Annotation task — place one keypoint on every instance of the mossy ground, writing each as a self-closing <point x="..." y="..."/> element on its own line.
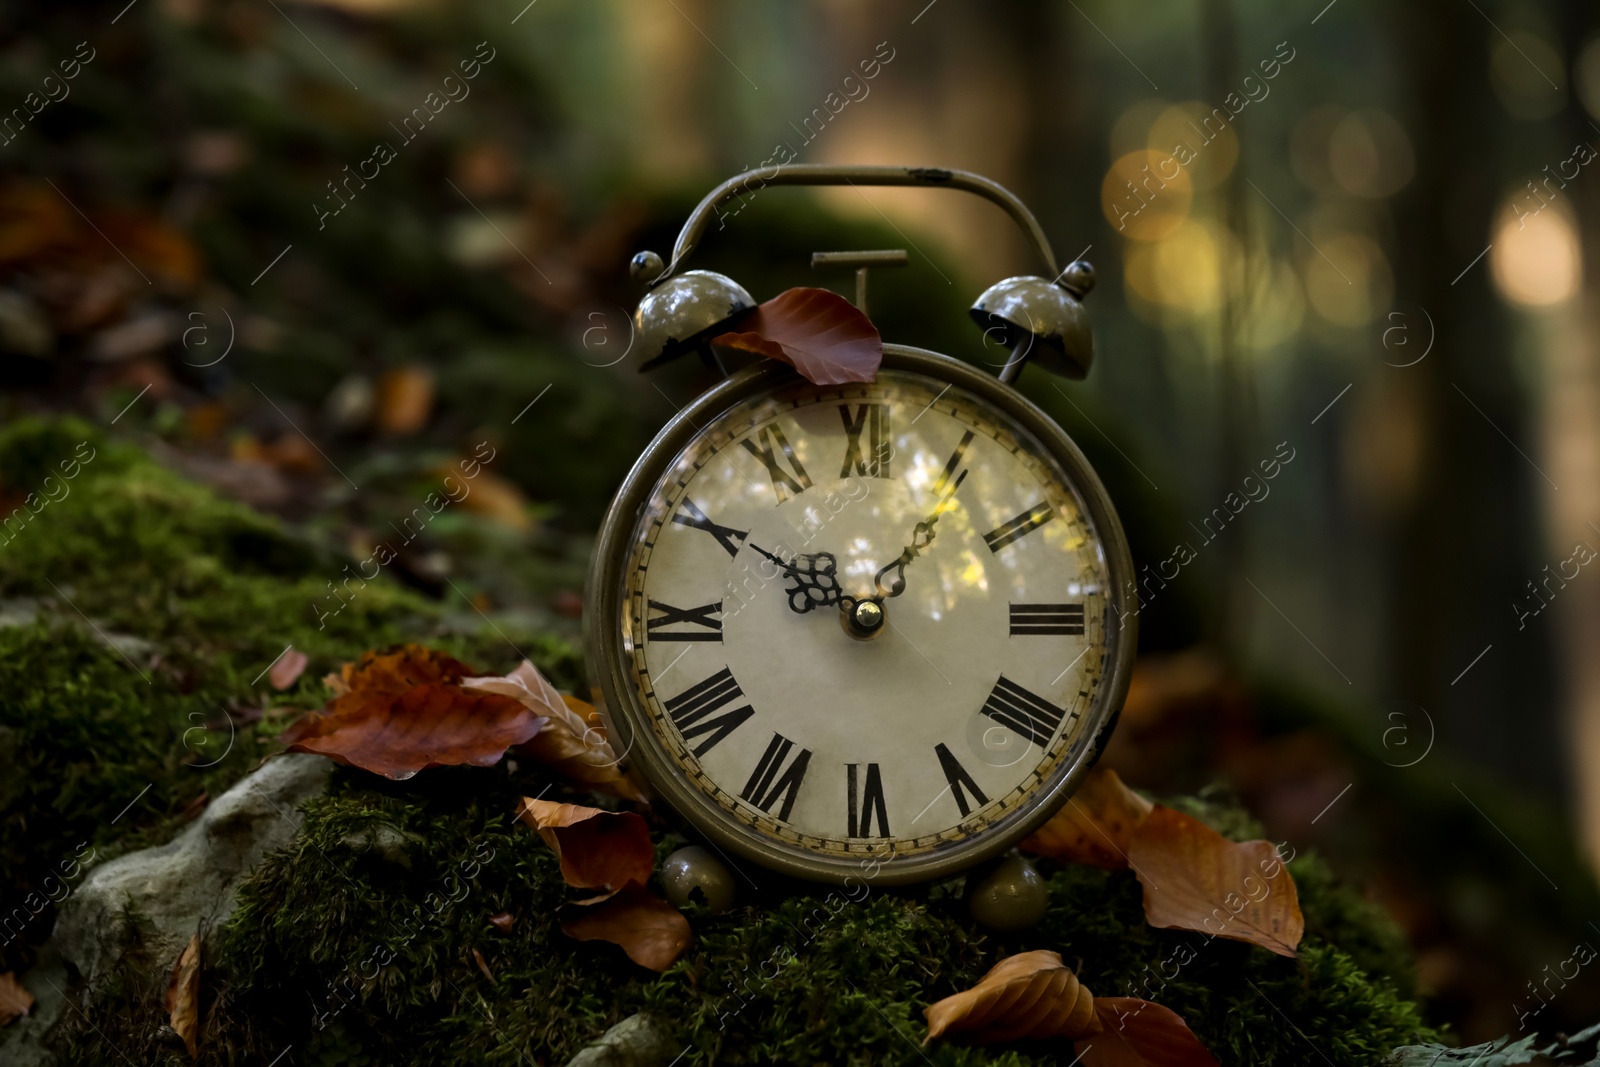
<point x="358" y="943"/>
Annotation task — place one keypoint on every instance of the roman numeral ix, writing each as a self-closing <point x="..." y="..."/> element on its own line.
<point x="1046" y="619"/>
<point x="772" y="781"/>
<point x="1021" y="526"/>
<point x="1028" y="714"/>
<point x="690" y="515"/>
<point x="764" y="445"/>
<point x="960" y="781"/>
<point x="873" y="420"/>
<point x="671" y="616"/>
<point x="864" y="802"/>
<point x="693" y="711"/>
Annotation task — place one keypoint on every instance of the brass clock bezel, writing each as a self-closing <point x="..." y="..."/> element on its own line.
<point x="627" y="721"/>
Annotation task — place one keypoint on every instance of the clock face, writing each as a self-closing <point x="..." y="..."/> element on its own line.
<point x="956" y="716"/>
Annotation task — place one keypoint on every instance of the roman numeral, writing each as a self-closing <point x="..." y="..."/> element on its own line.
<point x="767" y="785"/>
<point x="1046" y="619"/>
<point x="772" y="441"/>
<point x="874" y="420"/>
<point x="959" y="780"/>
<point x="945" y="482"/>
<point x="671" y="616"/>
<point x="692" y="710"/>
<point x="690" y="515"/>
<point x="867" y="800"/>
<point x="1030" y="715"/>
<point x="1021" y="526"/>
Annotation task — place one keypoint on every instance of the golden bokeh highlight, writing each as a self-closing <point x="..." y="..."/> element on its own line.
<point x="1369" y="154"/>
<point x="1536" y="262"/>
<point x="1348" y="279"/>
<point x="1183" y="272"/>
<point x="1146" y="195"/>
<point x="1131" y="130"/>
<point x="1208" y="152"/>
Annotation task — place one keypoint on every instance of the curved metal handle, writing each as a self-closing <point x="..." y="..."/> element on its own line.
<point x="831" y="174"/>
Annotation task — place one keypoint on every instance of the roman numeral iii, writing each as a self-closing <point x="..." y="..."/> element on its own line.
<point x="777" y="777"/>
<point x="693" y="711"/>
<point x="1021" y="526"/>
<point x="765" y="444"/>
<point x="864" y="802"/>
<point x="690" y="515"/>
<point x="960" y="781"/>
<point x="687" y="617"/>
<point x="1046" y="619"/>
<point x="1027" y="713"/>
<point x="873" y="421"/>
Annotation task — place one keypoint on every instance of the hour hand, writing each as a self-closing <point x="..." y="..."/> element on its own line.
<point x="813" y="580"/>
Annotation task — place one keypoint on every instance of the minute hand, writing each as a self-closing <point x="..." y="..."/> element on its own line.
<point x="921" y="538"/>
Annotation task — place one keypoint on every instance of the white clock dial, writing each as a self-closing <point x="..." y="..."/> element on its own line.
<point x="955" y="713"/>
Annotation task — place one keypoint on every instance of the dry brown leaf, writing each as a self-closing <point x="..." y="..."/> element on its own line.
<point x="183" y="996"/>
<point x="483" y="965"/>
<point x="1029" y="995"/>
<point x="1196" y="879"/>
<point x="404" y="399"/>
<point x="652" y="932"/>
<point x="1094" y="826"/>
<point x="498" y="499"/>
<point x="573" y="742"/>
<point x="818" y="333"/>
<point x="288" y="669"/>
<point x="502" y="920"/>
<point x="397" y="669"/>
<point x="15" y="1000"/>
<point x="1137" y="1033"/>
<point x="597" y="848"/>
<point x="388" y="724"/>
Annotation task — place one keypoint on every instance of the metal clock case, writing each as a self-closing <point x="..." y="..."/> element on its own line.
<point x="820" y="646"/>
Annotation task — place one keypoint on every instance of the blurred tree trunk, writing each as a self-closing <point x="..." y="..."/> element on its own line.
<point x="1468" y="536"/>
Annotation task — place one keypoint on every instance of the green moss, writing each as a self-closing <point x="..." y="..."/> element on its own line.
<point x="209" y="592"/>
<point x="796" y="975"/>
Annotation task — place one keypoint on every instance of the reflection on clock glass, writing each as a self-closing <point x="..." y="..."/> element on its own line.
<point x="792" y="507"/>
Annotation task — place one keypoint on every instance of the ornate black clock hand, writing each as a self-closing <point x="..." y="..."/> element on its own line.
<point x="815" y="578"/>
<point x="921" y="538"/>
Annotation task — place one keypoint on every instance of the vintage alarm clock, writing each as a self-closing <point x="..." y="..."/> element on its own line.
<point x="876" y="630"/>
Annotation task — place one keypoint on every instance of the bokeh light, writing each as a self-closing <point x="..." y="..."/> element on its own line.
<point x="1146" y="195"/>
<point x="1208" y="155"/>
<point x="1535" y="260"/>
<point x="1369" y="154"/>
<point x="1528" y="75"/>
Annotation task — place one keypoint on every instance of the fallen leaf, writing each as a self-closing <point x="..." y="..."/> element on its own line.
<point x="288" y="669"/>
<point x="1029" y="995"/>
<point x="1095" y="825"/>
<point x="15" y="1000"/>
<point x="502" y="920"/>
<point x="404" y="399"/>
<point x="183" y="995"/>
<point x="398" y="669"/>
<point x="818" y="333"/>
<point x="597" y="848"/>
<point x="1137" y="1033"/>
<point x="428" y="725"/>
<point x="652" y="932"/>
<point x="1196" y="879"/>
<point x="573" y="742"/>
<point x="483" y="965"/>
<point x="495" y="498"/>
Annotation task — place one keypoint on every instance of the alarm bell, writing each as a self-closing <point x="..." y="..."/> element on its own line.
<point x="681" y="313"/>
<point x="1041" y="320"/>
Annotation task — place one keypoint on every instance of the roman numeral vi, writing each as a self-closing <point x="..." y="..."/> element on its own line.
<point x="863" y="803"/>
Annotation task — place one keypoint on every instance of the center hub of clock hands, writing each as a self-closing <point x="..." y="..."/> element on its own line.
<point x="814" y="576"/>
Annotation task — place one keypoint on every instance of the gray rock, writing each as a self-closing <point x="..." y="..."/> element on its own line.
<point x="154" y="900"/>
<point x="640" y="1040"/>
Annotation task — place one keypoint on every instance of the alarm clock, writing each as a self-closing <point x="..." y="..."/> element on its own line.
<point x="879" y="629"/>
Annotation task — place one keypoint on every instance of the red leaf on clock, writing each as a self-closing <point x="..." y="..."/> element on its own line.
<point x="598" y="849"/>
<point x="818" y="333"/>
